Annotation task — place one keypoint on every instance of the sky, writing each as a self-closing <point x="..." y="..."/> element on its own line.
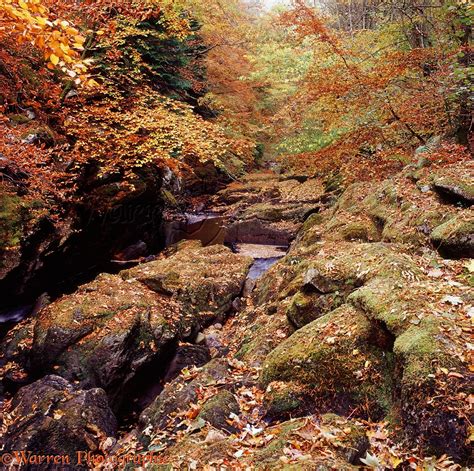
<point x="270" y="3"/>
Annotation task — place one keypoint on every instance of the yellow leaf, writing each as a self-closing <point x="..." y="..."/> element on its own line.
<point x="23" y="5"/>
<point x="470" y="266"/>
<point x="54" y="59"/>
<point x="79" y="39"/>
<point x="72" y="31"/>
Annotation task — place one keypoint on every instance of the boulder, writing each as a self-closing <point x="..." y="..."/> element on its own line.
<point x="455" y="189"/>
<point x="178" y="395"/>
<point x="217" y="411"/>
<point x="337" y="361"/>
<point x="455" y="238"/>
<point x="52" y="417"/>
<point x="114" y="328"/>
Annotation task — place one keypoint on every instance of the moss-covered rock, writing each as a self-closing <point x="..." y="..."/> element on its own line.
<point x="204" y="280"/>
<point x="455" y="188"/>
<point x="51" y="417"/>
<point x="455" y="238"/>
<point x="305" y="308"/>
<point x="284" y="400"/>
<point x="179" y="394"/>
<point x="334" y="358"/>
<point x="217" y="410"/>
<point x="105" y="333"/>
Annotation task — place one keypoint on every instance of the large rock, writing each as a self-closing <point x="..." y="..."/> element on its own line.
<point x="111" y="329"/>
<point x="203" y="280"/>
<point x="455" y="185"/>
<point x="180" y="394"/>
<point x="455" y="238"/>
<point x="338" y="360"/>
<point x="51" y="417"/>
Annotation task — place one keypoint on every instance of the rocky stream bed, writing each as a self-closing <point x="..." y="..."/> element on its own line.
<point x="287" y="325"/>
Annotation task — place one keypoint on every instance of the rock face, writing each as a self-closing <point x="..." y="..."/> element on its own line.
<point x="39" y="250"/>
<point x="51" y="417"/>
<point x="455" y="238"/>
<point x="112" y="328"/>
<point x="263" y="209"/>
<point x="407" y="208"/>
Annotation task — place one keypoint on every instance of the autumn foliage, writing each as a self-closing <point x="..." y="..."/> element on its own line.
<point x="114" y="86"/>
<point x="375" y="94"/>
<point x="351" y="88"/>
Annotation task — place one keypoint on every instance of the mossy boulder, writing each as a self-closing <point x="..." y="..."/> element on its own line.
<point x="305" y="308"/>
<point x="52" y="417"/>
<point x="205" y="280"/>
<point x="336" y="359"/>
<point x="13" y="215"/>
<point x="422" y="348"/>
<point x="284" y="400"/>
<point x="110" y="329"/>
<point x="455" y="238"/>
<point x="217" y="410"/>
<point x="102" y="334"/>
<point x="179" y="394"/>
<point x="11" y="211"/>
<point x="341" y="451"/>
<point x="457" y="189"/>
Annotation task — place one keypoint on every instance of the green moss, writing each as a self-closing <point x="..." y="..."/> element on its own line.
<point x="461" y="184"/>
<point x="456" y="228"/>
<point x="217" y="409"/>
<point x="12" y="216"/>
<point x="283" y="399"/>
<point x="313" y="220"/>
<point x="359" y="231"/>
<point x="19" y="118"/>
<point x="304" y="308"/>
<point x="419" y="350"/>
<point x="320" y="356"/>
<point x="275" y="448"/>
<point x="169" y="198"/>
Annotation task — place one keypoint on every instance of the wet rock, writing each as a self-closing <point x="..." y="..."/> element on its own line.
<point x="132" y="252"/>
<point x="51" y="417"/>
<point x="254" y="231"/>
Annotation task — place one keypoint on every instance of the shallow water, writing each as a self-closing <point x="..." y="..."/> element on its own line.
<point x="15" y="314"/>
